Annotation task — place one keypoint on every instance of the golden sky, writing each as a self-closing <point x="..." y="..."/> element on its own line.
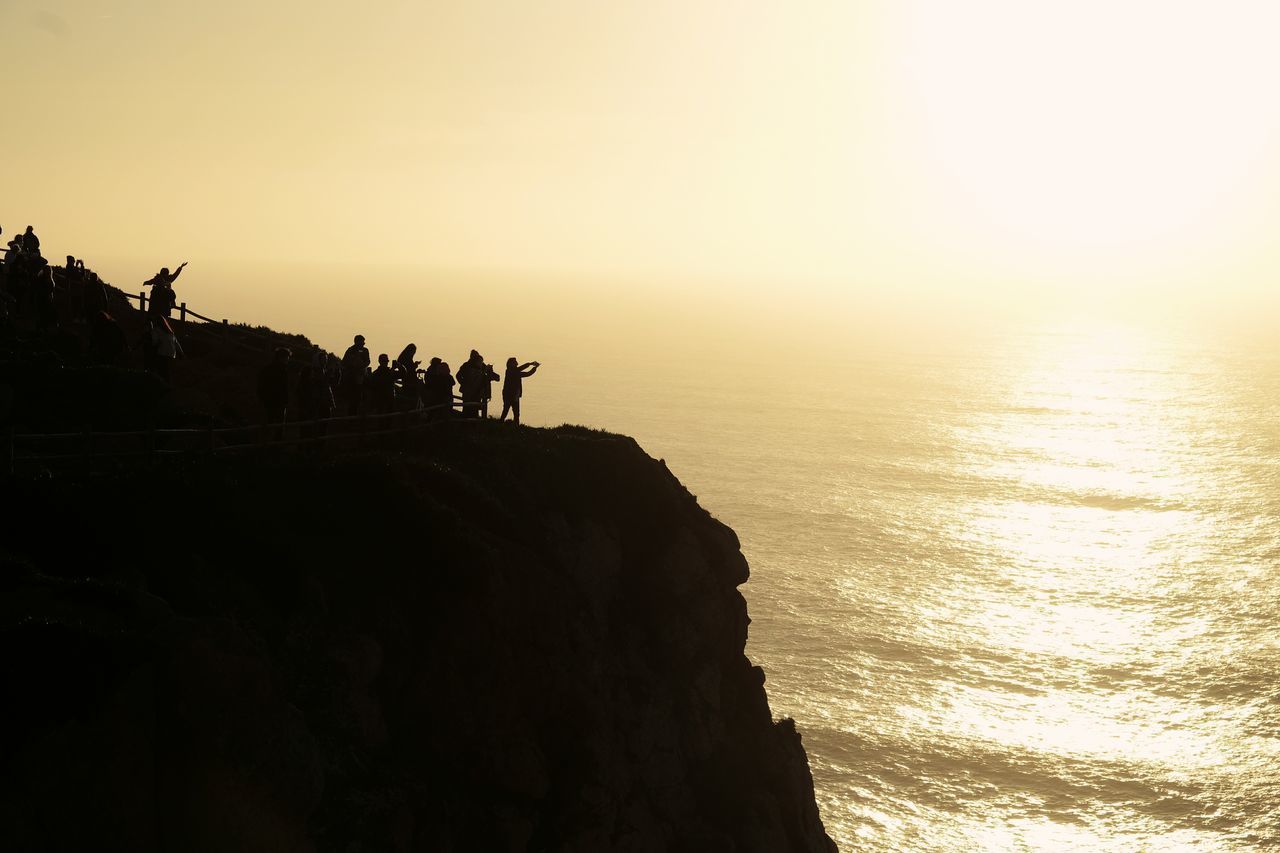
<point x="988" y="145"/>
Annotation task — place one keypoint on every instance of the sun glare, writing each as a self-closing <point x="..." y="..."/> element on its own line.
<point x="1102" y="126"/>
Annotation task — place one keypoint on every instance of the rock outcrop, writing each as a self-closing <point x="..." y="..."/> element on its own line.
<point x="495" y="639"/>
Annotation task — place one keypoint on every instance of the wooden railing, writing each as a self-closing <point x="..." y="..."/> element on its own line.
<point x="152" y="444"/>
<point x="190" y="315"/>
<point x="187" y="316"/>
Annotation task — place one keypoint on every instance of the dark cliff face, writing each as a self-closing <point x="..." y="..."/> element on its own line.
<point x="500" y="639"/>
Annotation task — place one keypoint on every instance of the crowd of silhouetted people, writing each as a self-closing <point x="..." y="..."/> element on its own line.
<point x="74" y="301"/>
<point x="325" y="384"/>
<point x="29" y="286"/>
<point x="49" y="299"/>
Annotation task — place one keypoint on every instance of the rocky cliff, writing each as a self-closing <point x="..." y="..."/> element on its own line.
<point x="493" y="639"/>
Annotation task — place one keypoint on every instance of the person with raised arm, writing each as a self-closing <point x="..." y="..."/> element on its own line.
<point x="162" y="296"/>
<point x="513" y="386"/>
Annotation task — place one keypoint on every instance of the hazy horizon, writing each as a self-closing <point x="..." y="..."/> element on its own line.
<point x="1003" y="156"/>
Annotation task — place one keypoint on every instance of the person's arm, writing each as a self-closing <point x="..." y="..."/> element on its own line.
<point x="177" y="272"/>
<point x="532" y="368"/>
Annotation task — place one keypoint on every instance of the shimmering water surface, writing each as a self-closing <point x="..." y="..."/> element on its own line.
<point x="1026" y="596"/>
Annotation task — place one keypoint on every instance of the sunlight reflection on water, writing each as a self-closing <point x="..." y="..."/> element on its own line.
<point x="1022" y="600"/>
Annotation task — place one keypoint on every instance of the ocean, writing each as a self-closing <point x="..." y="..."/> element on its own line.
<point x="1020" y="595"/>
<point x="1020" y="590"/>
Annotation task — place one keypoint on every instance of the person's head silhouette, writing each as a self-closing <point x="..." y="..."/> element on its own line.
<point x="359" y="340"/>
<point x="512" y="364"/>
<point x="383" y="359"/>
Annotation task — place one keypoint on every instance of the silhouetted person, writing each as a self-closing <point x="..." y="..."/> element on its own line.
<point x="44" y="306"/>
<point x="438" y="385"/>
<point x="406" y="368"/>
<point x="474" y="378"/>
<point x="489" y="377"/>
<point x="314" y="394"/>
<point x="106" y="339"/>
<point x="94" y="291"/>
<point x="163" y="301"/>
<point x="15" y="271"/>
<point x="513" y="386"/>
<point x="30" y="242"/>
<point x="406" y="360"/>
<point x="162" y="296"/>
<point x="164" y="349"/>
<point x="164" y="278"/>
<point x="11" y="253"/>
<point x="333" y="373"/>
<point x="273" y="387"/>
<point x="325" y="370"/>
<point x="382" y="387"/>
<point x="355" y="362"/>
<point x="11" y="263"/>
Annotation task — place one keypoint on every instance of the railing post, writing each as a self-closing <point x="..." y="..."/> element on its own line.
<point x="226" y="327"/>
<point x="182" y="312"/>
<point x="142" y="301"/>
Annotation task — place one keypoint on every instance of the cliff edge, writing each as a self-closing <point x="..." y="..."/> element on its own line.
<point x="493" y="639"/>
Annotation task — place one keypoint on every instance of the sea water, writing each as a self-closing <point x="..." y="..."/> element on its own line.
<point x="1020" y="595"/>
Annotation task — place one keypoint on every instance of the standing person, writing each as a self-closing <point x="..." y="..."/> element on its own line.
<point x="94" y="290"/>
<point x="43" y="301"/>
<point x="273" y="388"/>
<point x="487" y="377"/>
<point x="382" y="387"/>
<point x="165" y="348"/>
<point x="513" y="386"/>
<point x="355" y="362"/>
<point x="314" y="396"/>
<point x="162" y="296"/>
<point x="438" y="383"/>
<point x="473" y="380"/>
<point x="323" y="382"/>
<point x="30" y="242"/>
<point x="12" y="278"/>
<point x="407" y="368"/>
<point x="406" y="360"/>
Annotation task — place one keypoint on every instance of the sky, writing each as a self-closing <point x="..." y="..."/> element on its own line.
<point x="829" y="153"/>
